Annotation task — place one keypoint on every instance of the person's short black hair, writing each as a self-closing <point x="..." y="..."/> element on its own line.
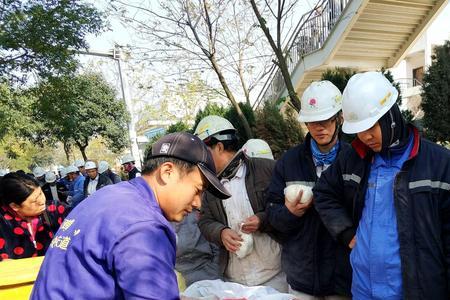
<point x="228" y="145"/>
<point x="152" y="163"/>
<point x="16" y="187"/>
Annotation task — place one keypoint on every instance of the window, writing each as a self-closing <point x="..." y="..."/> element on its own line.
<point x="417" y="76"/>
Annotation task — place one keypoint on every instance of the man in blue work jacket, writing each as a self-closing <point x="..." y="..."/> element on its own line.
<point x="118" y="243"/>
<point x="388" y="199"/>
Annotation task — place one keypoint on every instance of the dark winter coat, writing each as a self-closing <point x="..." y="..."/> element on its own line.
<point x="134" y="173"/>
<point x="103" y="181"/>
<point x="112" y="176"/>
<point x="422" y="204"/>
<point x="61" y="189"/>
<point x="313" y="262"/>
<point x="213" y="218"/>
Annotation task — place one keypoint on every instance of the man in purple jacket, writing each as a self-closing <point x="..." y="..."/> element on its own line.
<point x="118" y="243"/>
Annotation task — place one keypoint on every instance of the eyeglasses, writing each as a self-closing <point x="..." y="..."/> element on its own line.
<point x="323" y="123"/>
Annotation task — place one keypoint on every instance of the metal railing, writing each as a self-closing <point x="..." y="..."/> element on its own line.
<point x="407" y="83"/>
<point x="310" y="35"/>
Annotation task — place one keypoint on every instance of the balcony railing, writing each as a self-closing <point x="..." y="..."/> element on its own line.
<point x="310" y="35"/>
<point x="408" y="83"/>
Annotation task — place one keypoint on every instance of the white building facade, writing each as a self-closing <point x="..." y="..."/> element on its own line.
<point x="409" y="71"/>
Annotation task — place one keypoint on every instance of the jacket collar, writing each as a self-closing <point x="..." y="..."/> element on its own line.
<point x="363" y="150"/>
<point x="233" y="166"/>
<point x="416" y="142"/>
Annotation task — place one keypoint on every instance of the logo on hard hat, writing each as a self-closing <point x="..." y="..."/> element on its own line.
<point x="312" y="102"/>
<point x="383" y="101"/>
<point x="338" y="99"/>
<point x="352" y="117"/>
<point x="164" y="148"/>
<point x="204" y="128"/>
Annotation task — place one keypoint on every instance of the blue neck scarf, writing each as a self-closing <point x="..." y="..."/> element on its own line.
<point x="320" y="158"/>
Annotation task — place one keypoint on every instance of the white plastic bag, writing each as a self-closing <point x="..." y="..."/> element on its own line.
<point x="291" y="192"/>
<point x="220" y="290"/>
<point x="246" y="245"/>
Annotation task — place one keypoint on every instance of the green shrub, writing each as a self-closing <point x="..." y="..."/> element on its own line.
<point x="281" y="132"/>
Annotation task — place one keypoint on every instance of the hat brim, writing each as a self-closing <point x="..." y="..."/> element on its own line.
<point x="357" y="127"/>
<point x="215" y="186"/>
<point x="305" y="118"/>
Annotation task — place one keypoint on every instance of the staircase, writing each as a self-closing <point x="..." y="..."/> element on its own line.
<point x="359" y="34"/>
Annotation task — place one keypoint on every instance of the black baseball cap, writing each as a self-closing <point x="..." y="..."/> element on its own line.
<point x="190" y="148"/>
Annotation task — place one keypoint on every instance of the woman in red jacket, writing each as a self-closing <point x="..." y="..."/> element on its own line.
<point x="26" y="223"/>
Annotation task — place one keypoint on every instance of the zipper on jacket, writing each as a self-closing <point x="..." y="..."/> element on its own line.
<point x="360" y="193"/>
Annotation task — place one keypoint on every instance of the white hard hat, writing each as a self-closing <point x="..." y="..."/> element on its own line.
<point x="79" y="163"/>
<point x="90" y="165"/>
<point x="38" y="172"/>
<point x="50" y="177"/>
<point x="257" y="148"/>
<point x="103" y="166"/>
<point x="367" y="97"/>
<point x="63" y="172"/>
<point x="211" y="125"/>
<point x="60" y="168"/>
<point x="127" y="158"/>
<point x="3" y="172"/>
<point x="320" y="101"/>
<point x="72" y="169"/>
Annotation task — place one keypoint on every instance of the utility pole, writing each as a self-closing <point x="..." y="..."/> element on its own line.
<point x="116" y="55"/>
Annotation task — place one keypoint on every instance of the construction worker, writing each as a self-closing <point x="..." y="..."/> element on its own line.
<point x="118" y="243"/>
<point x="238" y="225"/>
<point x="103" y="168"/>
<point x="63" y="178"/>
<point x="94" y="180"/>
<point x="388" y="198"/>
<point x="76" y="191"/>
<point x="315" y="265"/>
<point x="257" y="148"/>
<point x="79" y="163"/>
<point x="39" y="174"/>
<point x="60" y="168"/>
<point x="54" y="191"/>
<point x="129" y="167"/>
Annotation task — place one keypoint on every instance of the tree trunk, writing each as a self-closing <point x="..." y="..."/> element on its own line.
<point x="209" y="53"/>
<point x="83" y="152"/>
<point x="67" y="151"/>
<point x="82" y="148"/>
<point x="248" y="130"/>
<point x="282" y="65"/>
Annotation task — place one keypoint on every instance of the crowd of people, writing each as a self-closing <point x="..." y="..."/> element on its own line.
<point x="34" y="205"/>
<point x="375" y="226"/>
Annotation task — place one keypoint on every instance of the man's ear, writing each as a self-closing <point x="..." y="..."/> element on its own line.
<point x="166" y="172"/>
<point x="220" y="147"/>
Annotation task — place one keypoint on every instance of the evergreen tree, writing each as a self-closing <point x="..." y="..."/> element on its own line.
<point x="436" y="95"/>
<point x="281" y="132"/>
